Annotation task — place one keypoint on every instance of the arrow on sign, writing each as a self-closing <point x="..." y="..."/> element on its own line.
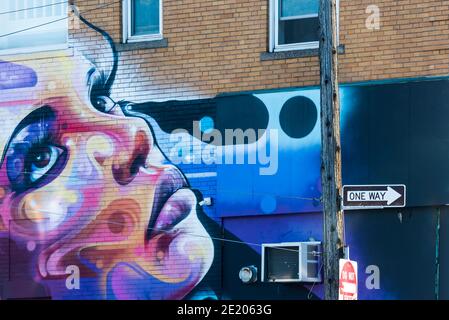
<point x="392" y="195"/>
<point x="374" y="196"/>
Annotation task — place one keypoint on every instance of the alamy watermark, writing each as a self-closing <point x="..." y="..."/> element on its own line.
<point x="372" y="281"/>
<point x="72" y="281"/>
<point x="252" y="147"/>
<point x="373" y="20"/>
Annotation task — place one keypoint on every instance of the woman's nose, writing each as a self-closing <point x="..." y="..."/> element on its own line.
<point x="125" y="171"/>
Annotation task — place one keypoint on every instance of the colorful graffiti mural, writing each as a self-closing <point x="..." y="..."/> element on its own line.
<point x="83" y="185"/>
<point x="104" y="200"/>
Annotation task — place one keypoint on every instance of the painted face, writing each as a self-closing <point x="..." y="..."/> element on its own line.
<point x="87" y="189"/>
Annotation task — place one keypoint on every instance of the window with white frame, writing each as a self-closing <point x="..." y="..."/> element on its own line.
<point x="294" y="24"/>
<point x="142" y="20"/>
<point x="33" y="25"/>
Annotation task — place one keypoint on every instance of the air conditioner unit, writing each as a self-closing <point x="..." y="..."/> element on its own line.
<point x="291" y="262"/>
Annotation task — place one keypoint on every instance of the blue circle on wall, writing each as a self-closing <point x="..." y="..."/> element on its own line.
<point x="207" y="124"/>
<point x="268" y="204"/>
<point x="298" y="117"/>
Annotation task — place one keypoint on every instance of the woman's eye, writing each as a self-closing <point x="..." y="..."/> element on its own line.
<point x="26" y="165"/>
<point x="42" y="159"/>
<point x="34" y="157"/>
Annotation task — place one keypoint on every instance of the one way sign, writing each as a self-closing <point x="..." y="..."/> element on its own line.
<point x="374" y="196"/>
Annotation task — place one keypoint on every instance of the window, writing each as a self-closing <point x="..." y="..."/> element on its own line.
<point x="142" y="20"/>
<point x="294" y="24"/>
<point x="45" y="19"/>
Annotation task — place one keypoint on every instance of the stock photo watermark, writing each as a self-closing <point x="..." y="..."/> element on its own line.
<point x="372" y="281"/>
<point x="72" y="282"/>
<point x="249" y="147"/>
<point x="372" y="22"/>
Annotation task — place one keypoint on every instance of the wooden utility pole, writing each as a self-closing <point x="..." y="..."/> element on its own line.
<point x="330" y="148"/>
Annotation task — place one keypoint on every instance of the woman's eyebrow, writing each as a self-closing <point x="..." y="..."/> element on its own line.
<point x="39" y="114"/>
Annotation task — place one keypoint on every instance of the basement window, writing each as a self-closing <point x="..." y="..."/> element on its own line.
<point x="142" y="20"/>
<point x="294" y="25"/>
<point x="33" y="25"/>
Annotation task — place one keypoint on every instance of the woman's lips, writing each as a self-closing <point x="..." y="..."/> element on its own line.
<point x="172" y="201"/>
<point x="177" y="208"/>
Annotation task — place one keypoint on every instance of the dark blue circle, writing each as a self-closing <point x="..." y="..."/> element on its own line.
<point x="298" y="117"/>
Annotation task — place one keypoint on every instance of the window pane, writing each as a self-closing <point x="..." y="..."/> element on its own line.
<point x="298" y="30"/>
<point x="54" y="33"/>
<point x="145" y="14"/>
<point x="291" y="8"/>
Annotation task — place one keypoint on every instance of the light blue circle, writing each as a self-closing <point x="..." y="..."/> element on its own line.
<point x="206" y="124"/>
<point x="268" y="204"/>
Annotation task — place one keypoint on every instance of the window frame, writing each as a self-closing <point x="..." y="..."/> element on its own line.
<point x="40" y="48"/>
<point x="274" y="45"/>
<point x="127" y="24"/>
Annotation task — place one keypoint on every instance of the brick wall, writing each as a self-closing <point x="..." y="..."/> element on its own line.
<point x="215" y="46"/>
<point x="413" y="40"/>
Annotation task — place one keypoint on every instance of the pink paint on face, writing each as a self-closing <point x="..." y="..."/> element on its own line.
<point x="93" y="190"/>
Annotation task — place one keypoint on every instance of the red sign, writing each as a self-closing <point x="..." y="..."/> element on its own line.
<point x="348" y="280"/>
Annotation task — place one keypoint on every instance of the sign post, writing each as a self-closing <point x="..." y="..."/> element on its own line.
<point x="374" y="197"/>
<point x="348" y="280"/>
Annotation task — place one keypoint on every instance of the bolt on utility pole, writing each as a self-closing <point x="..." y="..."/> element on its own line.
<point x="330" y="148"/>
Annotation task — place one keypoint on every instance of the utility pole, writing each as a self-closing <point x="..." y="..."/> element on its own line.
<point x="330" y="148"/>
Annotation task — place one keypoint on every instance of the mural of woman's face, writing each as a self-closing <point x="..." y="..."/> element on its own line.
<point x="80" y="187"/>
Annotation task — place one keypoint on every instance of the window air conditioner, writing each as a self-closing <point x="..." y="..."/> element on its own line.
<point x="292" y="262"/>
